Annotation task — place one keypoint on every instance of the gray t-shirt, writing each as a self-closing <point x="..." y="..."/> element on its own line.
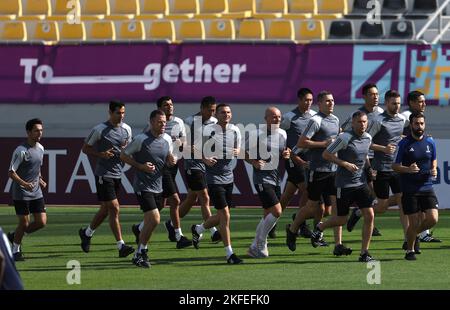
<point x="353" y="149"/>
<point x="26" y="162"/>
<point x="267" y="146"/>
<point x="386" y="129"/>
<point x="147" y="148"/>
<point x="174" y="128"/>
<point x="197" y="140"/>
<point x="103" y="137"/>
<point x="320" y="128"/>
<point x="220" y="144"/>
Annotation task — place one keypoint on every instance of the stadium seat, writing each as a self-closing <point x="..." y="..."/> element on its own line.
<point x="393" y="9"/>
<point x="341" y="29"/>
<point x="331" y="9"/>
<point x="102" y="31"/>
<point x="94" y="9"/>
<point x="422" y="9"/>
<point x="45" y="31"/>
<point x="301" y="9"/>
<point x="210" y="9"/>
<point x="10" y="9"/>
<point x="183" y="9"/>
<point x="221" y="29"/>
<point x="162" y="30"/>
<point x="240" y="9"/>
<point x="72" y="32"/>
<point x="403" y="29"/>
<point x="153" y="9"/>
<point x="35" y="10"/>
<point x="14" y="31"/>
<point x="271" y="9"/>
<point x="310" y="30"/>
<point x="191" y="30"/>
<point x="124" y="9"/>
<point x="360" y="10"/>
<point x="281" y="30"/>
<point x="131" y="30"/>
<point x="252" y="29"/>
<point x="61" y="11"/>
<point x="371" y="31"/>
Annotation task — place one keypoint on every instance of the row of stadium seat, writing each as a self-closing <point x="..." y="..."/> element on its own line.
<point x="221" y="29"/>
<point x="204" y="9"/>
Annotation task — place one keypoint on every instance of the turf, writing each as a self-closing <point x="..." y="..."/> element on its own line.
<point x="48" y="251"/>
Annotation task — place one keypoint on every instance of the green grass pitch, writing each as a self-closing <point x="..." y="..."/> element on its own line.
<point x="48" y="251"/>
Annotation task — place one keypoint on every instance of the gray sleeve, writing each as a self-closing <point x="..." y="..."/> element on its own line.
<point x="94" y="136"/>
<point x="375" y="128"/>
<point x="17" y="159"/>
<point x="339" y="144"/>
<point x="286" y="121"/>
<point x="311" y="129"/>
<point x="134" y="147"/>
<point x="347" y="124"/>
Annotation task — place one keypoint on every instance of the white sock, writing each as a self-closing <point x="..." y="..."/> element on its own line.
<point x="258" y="232"/>
<point x="89" y="231"/>
<point x="229" y="251"/>
<point x="178" y="233"/>
<point x="16" y="248"/>
<point x="200" y="229"/>
<point x="120" y="243"/>
<point x="358" y="212"/>
<point x="268" y="224"/>
<point x="141" y="247"/>
<point x="141" y="226"/>
<point x="424" y="233"/>
<point x="213" y="230"/>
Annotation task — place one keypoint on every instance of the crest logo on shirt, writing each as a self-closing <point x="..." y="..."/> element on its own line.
<point x="411" y="149"/>
<point x="428" y="149"/>
<point x="27" y="156"/>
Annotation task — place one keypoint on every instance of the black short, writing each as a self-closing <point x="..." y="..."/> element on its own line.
<point x="169" y="183"/>
<point x="196" y="179"/>
<point x="320" y="183"/>
<point x="325" y="199"/>
<point x="296" y="174"/>
<point x="149" y="201"/>
<point x="359" y="195"/>
<point x="221" y="195"/>
<point x="25" y="207"/>
<point x="421" y="201"/>
<point x="385" y="180"/>
<point x="268" y="194"/>
<point x="368" y="171"/>
<point x="107" y="188"/>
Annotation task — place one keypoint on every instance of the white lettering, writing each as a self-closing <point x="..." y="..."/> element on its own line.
<point x="185" y="67"/>
<point x="222" y="73"/>
<point x="52" y="168"/>
<point x="28" y="63"/>
<point x="89" y="176"/>
<point x="170" y="73"/>
<point x="201" y="69"/>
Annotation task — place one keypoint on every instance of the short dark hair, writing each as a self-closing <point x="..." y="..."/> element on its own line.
<point x="414" y="95"/>
<point x="30" y="124"/>
<point x="114" y="104"/>
<point x="368" y="86"/>
<point x="161" y="100"/>
<point x="207" y="101"/>
<point x="156" y="113"/>
<point x="302" y="92"/>
<point x="415" y="115"/>
<point x="222" y="105"/>
<point x="391" y="94"/>
<point x="358" y="114"/>
<point x="322" y="95"/>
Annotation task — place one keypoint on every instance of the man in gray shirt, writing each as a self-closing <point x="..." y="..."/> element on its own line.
<point x="322" y="129"/>
<point x="105" y="142"/>
<point x="222" y="146"/>
<point x="352" y="148"/>
<point x="149" y="153"/>
<point x="27" y="185"/>
<point x="271" y="140"/>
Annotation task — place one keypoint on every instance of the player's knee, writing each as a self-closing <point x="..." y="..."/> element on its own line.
<point x="175" y="201"/>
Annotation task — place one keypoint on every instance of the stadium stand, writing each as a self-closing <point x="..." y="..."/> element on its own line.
<point x="153" y="9"/>
<point x="211" y="9"/>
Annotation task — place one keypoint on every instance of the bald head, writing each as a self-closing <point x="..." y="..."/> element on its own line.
<point x="273" y="116"/>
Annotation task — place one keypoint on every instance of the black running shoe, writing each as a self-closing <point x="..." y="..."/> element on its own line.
<point x="18" y="257"/>
<point x="366" y="257"/>
<point x="417" y="246"/>
<point x="233" y="259"/>
<point x="322" y="242"/>
<point x="136" y="232"/>
<point x="216" y="237"/>
<point x="341" y="249"/>
<point x="141" y="259"/>
<point x="195" y="236"/>
<point x="273" y="232"/>
<point x="410" y="256"/>
<point x="125" y="250"/>
<point x="405" y="245"/>
<point x="316" y="238"/>
<point x="376" y="232"/>
<point x="183" y="242"/>
<point x="170" y="231"/>
<point x="85" y="240"/>
<point x="304" y="231"/>
<point x="429" y="238"/>
<point x="352" y="220"/>
<point x="291" y="239"/>
<point x="10" y="236"/>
